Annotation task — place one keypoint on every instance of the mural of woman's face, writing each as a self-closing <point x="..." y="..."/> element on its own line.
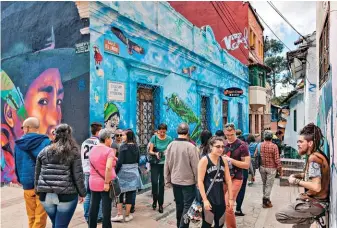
<point x="44" y="98"/>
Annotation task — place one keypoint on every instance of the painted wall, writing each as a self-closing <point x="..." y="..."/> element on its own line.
<point x="291" y="136"/>
<point x="228" y="20"/>
<point x="41" y="74"/>
<point x="155" y="46"/>
<point x="310" y="83"/>
<point x="327" y="100"/>
<point x="255" y="27"/>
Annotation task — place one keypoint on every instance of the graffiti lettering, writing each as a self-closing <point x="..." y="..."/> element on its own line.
<point x="233" y="41"/>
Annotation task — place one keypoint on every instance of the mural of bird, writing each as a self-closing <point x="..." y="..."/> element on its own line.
<point x="132" y="46"/>
<point x="98" y="57"/>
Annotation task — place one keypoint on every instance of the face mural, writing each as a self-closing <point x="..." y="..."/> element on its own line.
<point x="38" y="73"/>
<point x="111" y="117"/>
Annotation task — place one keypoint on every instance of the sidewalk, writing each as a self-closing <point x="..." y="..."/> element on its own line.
<point x="13" y="212"/>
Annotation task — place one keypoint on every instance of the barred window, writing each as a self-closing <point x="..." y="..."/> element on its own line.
<point x="224" y="113"/>
<point x="205" y="116"/>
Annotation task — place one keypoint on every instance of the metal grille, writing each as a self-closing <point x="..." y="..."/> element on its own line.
<point x="324" y="52"/>
<point x="146" y="115"/>
<point x="205" y="108"/>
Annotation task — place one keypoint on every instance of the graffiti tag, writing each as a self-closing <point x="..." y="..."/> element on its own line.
<point x="233" y="41"/>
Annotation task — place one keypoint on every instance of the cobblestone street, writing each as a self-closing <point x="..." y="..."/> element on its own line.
<point x="14" y="214"/>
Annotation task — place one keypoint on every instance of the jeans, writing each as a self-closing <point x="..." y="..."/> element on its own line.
<point x="37" y="216"/>
<point x="184" y="196"/>
<point x="86" y="203"/>
<point x="96" y="198"/>
<point x="241" y="195"/>
<point x="60" y="213"/>
<point x="157" y="181"/>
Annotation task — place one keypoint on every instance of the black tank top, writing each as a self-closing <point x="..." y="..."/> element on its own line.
<point x="216" y="195"/>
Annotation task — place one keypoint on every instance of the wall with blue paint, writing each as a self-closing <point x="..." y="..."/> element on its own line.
<point x="156" y="46"/>
<point x="327" y="100"/>
<point x="169" y="44"/>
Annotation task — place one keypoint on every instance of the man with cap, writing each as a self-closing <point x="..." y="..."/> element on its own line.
<point x="180" y="171"/>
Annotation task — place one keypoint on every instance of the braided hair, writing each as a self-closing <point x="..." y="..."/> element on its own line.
<point x="313" y="133"/>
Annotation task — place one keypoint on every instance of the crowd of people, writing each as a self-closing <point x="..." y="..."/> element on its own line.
<point x="57" y="173"/>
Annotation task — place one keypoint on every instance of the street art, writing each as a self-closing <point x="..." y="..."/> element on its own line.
<point x="233" y="41"/>
<point x="98" y="57"/>
<point x="111" y="117"/>
<point x="189" y="70"/>
<point x="132" y="46"/>
<point x="185" y="113"/>
<point x="35" y="75"/>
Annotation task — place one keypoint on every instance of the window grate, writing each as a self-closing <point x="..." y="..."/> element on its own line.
<point x="205" y="113"/>
<point x="324" y="52"/>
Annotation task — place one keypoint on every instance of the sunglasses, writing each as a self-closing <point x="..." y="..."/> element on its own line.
<point x="119" y="135"/>
<point x="220" y="146"/>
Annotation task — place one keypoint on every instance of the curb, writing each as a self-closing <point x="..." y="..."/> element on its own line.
<point x="165" y="214"/>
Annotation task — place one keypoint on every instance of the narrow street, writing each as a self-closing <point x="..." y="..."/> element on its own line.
<point x="14" y="214"/>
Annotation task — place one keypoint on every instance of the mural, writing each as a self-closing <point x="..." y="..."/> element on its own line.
<point x="186" y="114"/>
<point x="111" y="117"/>
<point x="37" y="72"/>
<point x="234" y="40"/>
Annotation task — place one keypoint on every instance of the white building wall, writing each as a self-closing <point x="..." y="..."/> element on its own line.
<point x="311" y="86"/>
<point x="291" y="136"/>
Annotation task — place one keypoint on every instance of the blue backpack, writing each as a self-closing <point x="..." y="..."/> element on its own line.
<point x="252" y="148"/>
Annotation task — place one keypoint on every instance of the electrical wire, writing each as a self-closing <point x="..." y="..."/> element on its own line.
<point x="285" y="19"/>
<point x="228" y="27"/>
<point x="272" y="30"/>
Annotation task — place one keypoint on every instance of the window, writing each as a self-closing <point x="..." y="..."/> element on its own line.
<point x="224" y="113"/>
<point x="252" y="39"/>
<point x="295" y="120"/>
<point x="259" y="48"/>
<point x="260" y="79"/>
<point x="324" y="53"/>
<point x="250" y="123"/>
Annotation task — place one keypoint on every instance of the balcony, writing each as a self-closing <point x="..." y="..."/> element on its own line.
<point x="257" y="97"/>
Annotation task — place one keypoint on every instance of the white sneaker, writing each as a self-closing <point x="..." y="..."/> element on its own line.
<point x="117" y="218"/>
<point x="128" y="218"/>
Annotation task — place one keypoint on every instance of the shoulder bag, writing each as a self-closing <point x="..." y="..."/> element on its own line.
<point x="153" y="158"/>
<point x="194" y="213"/>
<point x="115" y="189"/>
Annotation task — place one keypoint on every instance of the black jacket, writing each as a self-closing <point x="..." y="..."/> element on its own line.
<point x="52" y="176"/>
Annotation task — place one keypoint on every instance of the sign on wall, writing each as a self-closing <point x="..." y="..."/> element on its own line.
<point x="116" y="91"/>
<point x="110" y="46"/>
<point x="233" y="92"/>
<point x="82" y="47"/>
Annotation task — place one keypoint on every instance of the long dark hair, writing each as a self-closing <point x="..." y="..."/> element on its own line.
<point x="64" y="146"/>
<point x="130" y="136"/>
<point x="250" y="138"/>
<point x="204" y="138"/>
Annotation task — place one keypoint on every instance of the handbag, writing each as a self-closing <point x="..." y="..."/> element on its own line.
<point x="153" y="158"/>
<point x="114" y="187"/>
<point x="194" y="213"/>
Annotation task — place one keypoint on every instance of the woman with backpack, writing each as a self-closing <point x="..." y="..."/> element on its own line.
<point x="213" y="174"/>
<point x="158" y="145"/>
<point x="252" y="148"/>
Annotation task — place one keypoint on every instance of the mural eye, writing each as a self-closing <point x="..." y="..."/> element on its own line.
<point x="59" y="102"/>
<point x="43" y="101"/>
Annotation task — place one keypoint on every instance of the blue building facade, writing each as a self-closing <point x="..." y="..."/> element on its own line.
<point x="149" y="65"/>
<point x="148" y="46"/>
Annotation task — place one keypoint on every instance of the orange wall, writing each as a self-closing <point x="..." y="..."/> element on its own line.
<point x="257" y="29"/>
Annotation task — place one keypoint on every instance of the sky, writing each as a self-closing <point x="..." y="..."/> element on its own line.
<point x="302" y="15"/>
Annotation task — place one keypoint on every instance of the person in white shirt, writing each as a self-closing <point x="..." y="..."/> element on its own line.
<point x="86" y="147"/>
